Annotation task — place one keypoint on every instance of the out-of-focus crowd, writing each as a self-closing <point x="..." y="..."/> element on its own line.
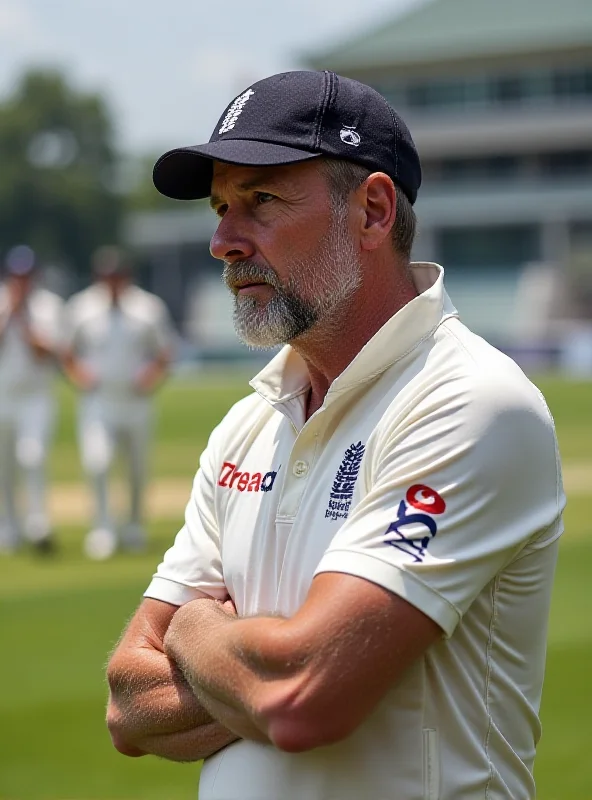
<point x="113" y="342"/>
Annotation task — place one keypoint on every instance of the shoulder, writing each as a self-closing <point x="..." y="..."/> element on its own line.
<point x="84" y="306"/>
<point x="465" y="390"/>
<point x="145" y="304"/>
<point x="493" y="386"/>
<point x="46" y="304"/>
<point x="86" y="297"/>
<point x="47" y="298"/>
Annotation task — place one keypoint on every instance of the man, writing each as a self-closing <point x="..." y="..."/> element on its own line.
<point x="30" y="329"/>
<point x="118" y="352"/>
<point x="365" y="568"/>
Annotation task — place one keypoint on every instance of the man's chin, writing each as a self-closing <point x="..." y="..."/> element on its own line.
<point x="256" y="331"/>
<point x="258" y="340"/>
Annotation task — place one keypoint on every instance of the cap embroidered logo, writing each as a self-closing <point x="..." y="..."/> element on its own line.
<point x="350" y="136"/>
<point x="234" y="112"/>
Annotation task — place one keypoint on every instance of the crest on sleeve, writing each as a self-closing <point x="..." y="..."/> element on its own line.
<point x="415" y="526"/>
<point x="342" y="491"/>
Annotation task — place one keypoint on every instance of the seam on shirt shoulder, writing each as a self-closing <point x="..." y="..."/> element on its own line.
<point x="460" y="343"/>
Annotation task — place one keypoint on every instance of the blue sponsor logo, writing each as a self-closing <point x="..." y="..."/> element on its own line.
<point x="415" y="527"/>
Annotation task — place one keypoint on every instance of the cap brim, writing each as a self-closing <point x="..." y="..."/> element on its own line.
<point x="186" y="172"/>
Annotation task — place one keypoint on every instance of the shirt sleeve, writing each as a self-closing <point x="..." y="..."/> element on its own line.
<point x="452" y="494"/>
<point x="192" y="567"/>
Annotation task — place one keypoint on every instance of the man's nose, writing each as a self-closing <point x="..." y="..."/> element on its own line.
<point x="230" y="242"/>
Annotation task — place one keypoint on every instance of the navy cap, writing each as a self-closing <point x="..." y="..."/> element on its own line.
<point x="297" y="116"/>
<point x="20" y="261"/>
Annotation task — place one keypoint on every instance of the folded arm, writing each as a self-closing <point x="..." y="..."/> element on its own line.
<point x="310" y="680"/>
<point x="152" y="709"/>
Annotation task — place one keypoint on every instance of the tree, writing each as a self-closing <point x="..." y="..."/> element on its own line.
<point x="57" y="182"/>
<point x="141" y="194"/>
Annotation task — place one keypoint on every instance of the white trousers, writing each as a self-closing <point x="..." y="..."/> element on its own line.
<point x="107" y="427"/>
<point x="26" y="428"/>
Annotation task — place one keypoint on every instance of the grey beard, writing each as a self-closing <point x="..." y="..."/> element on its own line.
<point x="282" y="319"/>
<point x="331" y="281"/>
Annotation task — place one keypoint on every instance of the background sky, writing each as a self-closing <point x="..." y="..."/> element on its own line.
<point x="169" y="67"/>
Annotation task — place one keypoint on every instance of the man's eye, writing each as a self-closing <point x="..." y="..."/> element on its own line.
<point x="263" y="197"/>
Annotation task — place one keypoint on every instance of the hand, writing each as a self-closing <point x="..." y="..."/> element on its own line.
<point x="151" y="374"/>
<point x="229" y="607"/>
<point x="87" y="381"/>
<point x="41" y="347"/>
<point x="143" y="383"/>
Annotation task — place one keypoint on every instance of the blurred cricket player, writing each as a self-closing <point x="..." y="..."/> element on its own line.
<point x="118" y="349"/>
<point x="30" y="329"/>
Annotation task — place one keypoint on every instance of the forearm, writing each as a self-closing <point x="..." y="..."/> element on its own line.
<point x="151" y="699"/>
<point x="231" y="718"/>
<point x="154" y="711"/>
<point x="227" y="661"/>
<point x="191" y="745"/>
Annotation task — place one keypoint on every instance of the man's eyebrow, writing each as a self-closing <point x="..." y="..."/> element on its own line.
<point x="258" y="181"/>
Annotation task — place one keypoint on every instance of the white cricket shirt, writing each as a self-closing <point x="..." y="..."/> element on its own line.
<point x="117" y="341"/>
<point x="432" y="470"/>
<point x="22" y="373"/>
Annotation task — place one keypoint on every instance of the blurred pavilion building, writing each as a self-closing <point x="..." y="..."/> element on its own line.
<point x="498" y="97"/>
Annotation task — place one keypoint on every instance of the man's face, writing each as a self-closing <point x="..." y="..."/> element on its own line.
<point x="289" y="256"/>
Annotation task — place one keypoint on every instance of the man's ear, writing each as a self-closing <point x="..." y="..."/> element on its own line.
<point x="379" y="204"/>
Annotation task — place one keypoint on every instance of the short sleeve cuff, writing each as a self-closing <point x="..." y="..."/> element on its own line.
<point x="395" y="579"/>
<point x="172" y="592"/>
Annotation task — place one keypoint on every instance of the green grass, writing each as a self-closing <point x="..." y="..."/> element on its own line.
<point x="571" y="406"/>
<point x="562" y="768"/>
<point x="58" y="621"/>
<point x="56" y="636"/>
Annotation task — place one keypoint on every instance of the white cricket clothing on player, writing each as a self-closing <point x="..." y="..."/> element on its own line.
<point x="22" y="373"/>
<point x="27" y="411"/>
<point x="432" y="470"/>
<point x="117" y="341"/>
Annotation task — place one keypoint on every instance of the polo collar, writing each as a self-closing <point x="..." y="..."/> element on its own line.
<point x="286" y="375"/>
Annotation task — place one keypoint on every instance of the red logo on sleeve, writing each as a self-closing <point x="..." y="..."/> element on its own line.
<point x="425" y="499"/>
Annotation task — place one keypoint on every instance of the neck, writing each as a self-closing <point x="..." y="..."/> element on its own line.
<point x="333" y="344"/>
